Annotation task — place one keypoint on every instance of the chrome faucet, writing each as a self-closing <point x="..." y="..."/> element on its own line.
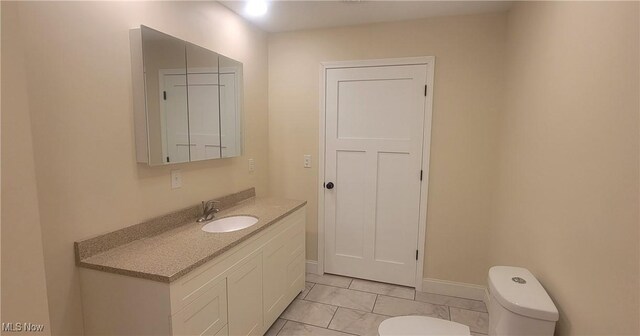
<point x="208" y="210"/>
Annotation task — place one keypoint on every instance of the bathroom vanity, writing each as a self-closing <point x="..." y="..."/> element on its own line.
<point x="169" y="277"/>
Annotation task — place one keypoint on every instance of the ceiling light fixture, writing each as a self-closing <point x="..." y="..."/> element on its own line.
<point x="256" y="7"/>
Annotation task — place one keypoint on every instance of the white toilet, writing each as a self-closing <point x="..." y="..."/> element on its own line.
<point x="518" y="306"/>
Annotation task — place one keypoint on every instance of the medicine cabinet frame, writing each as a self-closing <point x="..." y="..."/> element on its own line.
<point x="230" y="134"/>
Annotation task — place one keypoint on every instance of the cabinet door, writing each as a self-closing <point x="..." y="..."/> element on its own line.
<point x="283" y="259"/>
<point x="275" y="259"/>
<point x="206" y="315"/>
<point x="295" y="267"/>
<point x="244" y="287"/>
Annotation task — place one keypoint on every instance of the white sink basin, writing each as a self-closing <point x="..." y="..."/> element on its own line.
<point x="230" y="224"/>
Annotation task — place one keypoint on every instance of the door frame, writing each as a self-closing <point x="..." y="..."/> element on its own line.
<point x="429" y="61"/>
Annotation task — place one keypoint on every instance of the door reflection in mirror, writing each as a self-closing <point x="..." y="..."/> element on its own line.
<point x="204" y="103"/>
<point x="230" y="106"/>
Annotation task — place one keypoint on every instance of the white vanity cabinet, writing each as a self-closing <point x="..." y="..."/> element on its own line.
<point x="205" y="315"/>
<point x="241" y="292"/>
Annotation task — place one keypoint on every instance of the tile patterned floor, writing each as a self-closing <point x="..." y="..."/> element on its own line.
<point x="333" y="305"/>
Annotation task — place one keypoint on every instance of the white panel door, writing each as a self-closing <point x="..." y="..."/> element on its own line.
<point x="373" y="157"/>
<point x="204" y="116"/>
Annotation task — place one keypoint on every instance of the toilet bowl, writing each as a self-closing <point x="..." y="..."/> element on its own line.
<point x="518" y="305"/>
<point x="421" y="326"/>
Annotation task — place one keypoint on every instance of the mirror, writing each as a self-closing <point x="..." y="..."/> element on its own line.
<point x="166" y="90"/>
<point x="230" y="106"/>
<point x="187" y="100"/>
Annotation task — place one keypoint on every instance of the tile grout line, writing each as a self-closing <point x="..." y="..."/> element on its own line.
<point x="284" y="325"/>
<point x="340" y="331"/>
<point x="322" y="303"/>
<point x="332" y="316"/>
<point x="315" y="326"/>
<point x="382" y="283"/>
<point x="336" y="286"/>
<point x="352" y="279"/>
<point x="279" y="330"/>
<point x="472" y="311"/>
<point x="374" y="303"/>
<point x="313" y="284"/>
<point x="334" y="305"/>
<point x="348" y="289"/>
<point x="359" y="310"/>
<point x="363" y="291"/>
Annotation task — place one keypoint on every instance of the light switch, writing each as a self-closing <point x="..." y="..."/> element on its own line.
<point x="252" y="165"/>
<point x="176" y="179"/>
<point x="307" y="161"/>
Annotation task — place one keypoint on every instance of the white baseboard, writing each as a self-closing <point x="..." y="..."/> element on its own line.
<point x="312" y="266"/>
<point x="458" y="289"/>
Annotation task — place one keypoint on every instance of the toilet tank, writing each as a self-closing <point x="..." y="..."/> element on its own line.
<point x="519" y="304"/>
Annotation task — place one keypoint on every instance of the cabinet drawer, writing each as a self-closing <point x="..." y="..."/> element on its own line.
<point x="206" y="315"/>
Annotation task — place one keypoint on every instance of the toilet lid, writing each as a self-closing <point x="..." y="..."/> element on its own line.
<point x="421" y="326"/>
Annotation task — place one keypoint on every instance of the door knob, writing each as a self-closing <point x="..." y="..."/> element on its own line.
<point x="330" y="185"/>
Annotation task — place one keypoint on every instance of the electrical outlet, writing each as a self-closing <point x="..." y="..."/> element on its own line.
<point x="252" y="165"/>
<point x="176" y="179"/>
<point x="307" y="161"/>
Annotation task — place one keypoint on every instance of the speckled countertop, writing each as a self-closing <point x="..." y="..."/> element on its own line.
<point x="173" y="253"/>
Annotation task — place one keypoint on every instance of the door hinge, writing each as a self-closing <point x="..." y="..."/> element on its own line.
<point x="164" y="95"/>
<point x="420" y="175"/>
<point x="416" y="254"/>
<point x="425" y="90"/>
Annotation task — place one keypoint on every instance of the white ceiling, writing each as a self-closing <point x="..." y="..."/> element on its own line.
<point x="296" y="15"/>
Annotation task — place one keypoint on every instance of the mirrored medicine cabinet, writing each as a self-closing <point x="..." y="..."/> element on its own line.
<point x="187" y="100"/>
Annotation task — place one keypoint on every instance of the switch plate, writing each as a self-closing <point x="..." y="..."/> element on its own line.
<point x="176" y="179"/>
<point x="307" y="161"/>
<point x="252" y="165"/>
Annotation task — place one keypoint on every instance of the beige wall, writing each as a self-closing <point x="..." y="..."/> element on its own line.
<point x="24" y="292"/>
<point x="79" y="87"/>
<point x="539" y="170"/>
<point x="469" y="53"/>
<point x="567" y="199"/>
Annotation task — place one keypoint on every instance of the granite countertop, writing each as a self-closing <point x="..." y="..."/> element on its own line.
<point x="168" y="255"/>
